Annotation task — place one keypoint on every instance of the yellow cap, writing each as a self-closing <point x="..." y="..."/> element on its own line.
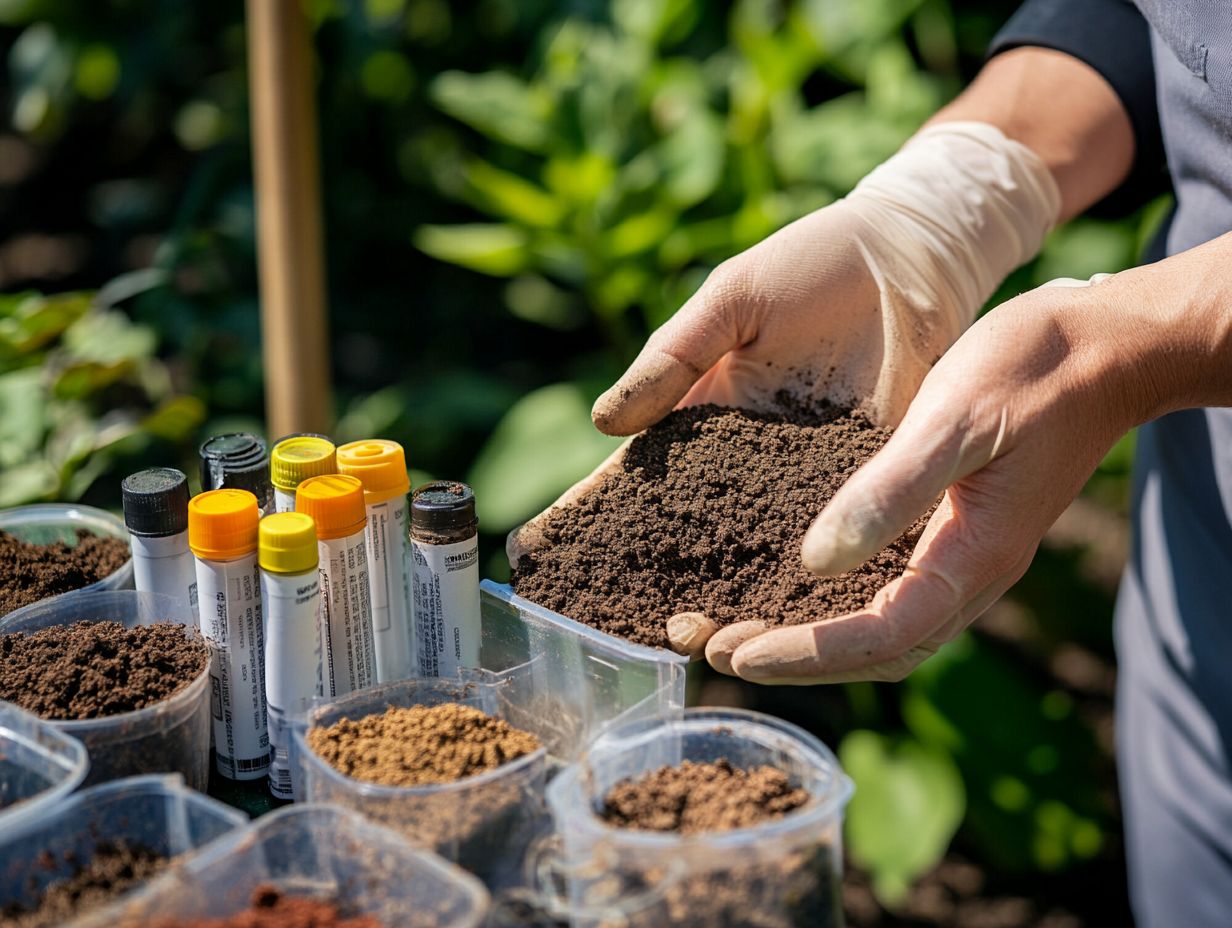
<point x="288" y="543"/>
<point x="380" y="465"/>
<point x="336" y="504"/>
<point x="222" y="524"/>
<point x="299" y="457"/>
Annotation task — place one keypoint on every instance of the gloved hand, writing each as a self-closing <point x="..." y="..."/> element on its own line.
<point x="851" y="303"/>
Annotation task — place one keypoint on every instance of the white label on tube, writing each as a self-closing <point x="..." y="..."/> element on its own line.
<point x="391" y="627"/>
<point x="284" y="500"/>
<point x="445" y="581"/>
<point x="165" y="565"/>
<point x="230" y="604"/>
<point x="292" y="663"/>
<point x="346" y="616"/>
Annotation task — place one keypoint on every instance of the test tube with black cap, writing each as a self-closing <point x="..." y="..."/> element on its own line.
<point x="156" y="514"/>
<point x="445" y="577"/>
<point x="238" y="460"/>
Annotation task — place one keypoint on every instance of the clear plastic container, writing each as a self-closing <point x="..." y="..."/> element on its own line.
<point x="780" y="874"/>
<point x="483" y="823"/>
<point x="44" y="523"/>
<point x="320" y="851"/>
<point x="172" y="736"/>
<point x="586" y="680"/>
<point x="39" y="766"/>
<point x="155" y="812"/>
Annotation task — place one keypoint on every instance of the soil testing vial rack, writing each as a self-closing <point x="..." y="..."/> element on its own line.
<point x="380" y="465"/>
<point x="445" y="577"/>
<point x="293" y="460"/>
<point x="222" y="532"/>
<point x="156" y="514"/>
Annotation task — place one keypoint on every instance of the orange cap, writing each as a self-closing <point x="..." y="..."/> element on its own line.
<point x="336" y="504"/>
<point x="380" y="464"/>
<point x="222" y="524"/>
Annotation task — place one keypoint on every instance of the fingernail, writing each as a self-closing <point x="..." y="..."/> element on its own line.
<point x="688" y="632"/>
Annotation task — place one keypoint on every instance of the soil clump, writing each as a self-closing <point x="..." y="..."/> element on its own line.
<point x="420" y="745"/>
<point x="695" y="798"/>
<point x="114" y="868"/>
<point x="706" y="514"/>
<point x="87" y="670"/>
<point x="274" y="909"/>
<point x="32" y="572"/>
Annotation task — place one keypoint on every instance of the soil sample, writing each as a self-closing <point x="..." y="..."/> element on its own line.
<point x="484" y="828"/>
<point x="273" y="909"/>
<point x="115" y="867"/>
<point x="706" y="514"/>
<point x="30" y="572"/>
<point x="772" y="885"/>
<point x="88" y="670"/>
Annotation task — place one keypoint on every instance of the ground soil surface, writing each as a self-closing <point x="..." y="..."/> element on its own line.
<point x="706" y="514"/>
<point x="30" y="572"/>
<point x="273" y="909"/>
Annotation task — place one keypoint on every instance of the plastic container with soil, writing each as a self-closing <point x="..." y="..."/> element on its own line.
<point x="171" y="736"/>
<point x="484" y="823"/>
<point x="39" y="766"/>
<point x="46" y="523"/>
<point x="585" y="680"/>
<point x="154" y="813"/>
<point x="782" y="873"/>
<point x="321" y="851"/>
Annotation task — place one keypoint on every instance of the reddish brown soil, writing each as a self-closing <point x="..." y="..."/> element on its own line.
<point x="273" y="909"/>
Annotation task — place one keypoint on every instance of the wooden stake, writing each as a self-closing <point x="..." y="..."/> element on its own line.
<point x="294" y="324"/>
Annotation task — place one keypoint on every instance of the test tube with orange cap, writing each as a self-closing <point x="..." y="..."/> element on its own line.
<point x="380" y="465"/>
<point x="222" y="534"/>
<point x="336" y="504"/>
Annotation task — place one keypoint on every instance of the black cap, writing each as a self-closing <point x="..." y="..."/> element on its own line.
<point x="237" y="460"/>
<point x="155" y="502"/>
<point x="443" y="506"/>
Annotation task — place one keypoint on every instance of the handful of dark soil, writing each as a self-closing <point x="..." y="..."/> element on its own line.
<point x="420" y="745"/>
<point x="116" y="867"/>
<point x="89" y="670"/>
<point x="706" y="514"/>
<point x="273" y="909"/>
<point x="30" y="572"/>
<point x="694" y="798"/>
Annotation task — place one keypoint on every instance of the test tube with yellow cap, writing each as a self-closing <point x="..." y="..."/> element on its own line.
<point x="291" y="595"/>
<point x="295" y="459"/>
<point x="222" y="534"/>
<point x="336" y="504"/>
<point x="380" y="465"/>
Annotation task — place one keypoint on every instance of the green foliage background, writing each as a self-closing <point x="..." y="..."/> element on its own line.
<point x="516" y="193"/>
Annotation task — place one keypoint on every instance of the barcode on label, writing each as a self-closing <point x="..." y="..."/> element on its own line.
<point x="249" y="764"/>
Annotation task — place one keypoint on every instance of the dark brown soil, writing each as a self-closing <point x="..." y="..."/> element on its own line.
<point x="273" y="909"/>
<point x="89" y="670"/>
<point x="421" y="745"/>
<point x="30" y="572"/>
<point x="706" y="515"/>
<point x="115" y="868"/>
<point x="694" y="798"/>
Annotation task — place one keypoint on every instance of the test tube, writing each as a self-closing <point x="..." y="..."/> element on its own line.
<point x="293" y="460"/>
<point x="380" y="465"/>
<point x="445" y="577"/>
<point x="222" y="532"/>
<point x="239" y="460"/>
<point x="336" y="504"/>
<point x="291" y="598"/>
<point x="156" y="514"/>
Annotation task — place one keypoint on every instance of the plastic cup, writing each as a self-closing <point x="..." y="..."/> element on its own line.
<point x="45" y="523"/>
<point x="39" y="766"/>
<point x="156" y="812"/>
<point x="321" y="851"/>
<point x="483" y="823"/>
<point x="784" y="873"/>
<point x="171" y="736"/>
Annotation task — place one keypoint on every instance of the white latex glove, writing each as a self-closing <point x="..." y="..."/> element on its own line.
<point x="852" y="303"/>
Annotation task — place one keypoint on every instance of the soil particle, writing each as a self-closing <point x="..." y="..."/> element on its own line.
<point x="706" y="514"/>
<point x="694" y="798"/>
<point x="420" y="745"/>
<point x="116" y="867"/>
<point x="87" y="670"/>
<point x="32" y="572"/>
<point x="273" y="909"/>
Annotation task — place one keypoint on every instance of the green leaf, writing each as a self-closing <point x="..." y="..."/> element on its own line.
<point x="1084" y="247"/>
<point x="543" y="445"/>
<point x="908" y="803"/>
<point x="176" y="419"/>
<point x="31" y="482"/>
<point x="692" y="158"/>
<point x="509" y="196"/>
<point x="496" y="104"/>
<point x="490" y="248"/>
<point x="23" y="420"/>
<point x="655" y="21"/>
